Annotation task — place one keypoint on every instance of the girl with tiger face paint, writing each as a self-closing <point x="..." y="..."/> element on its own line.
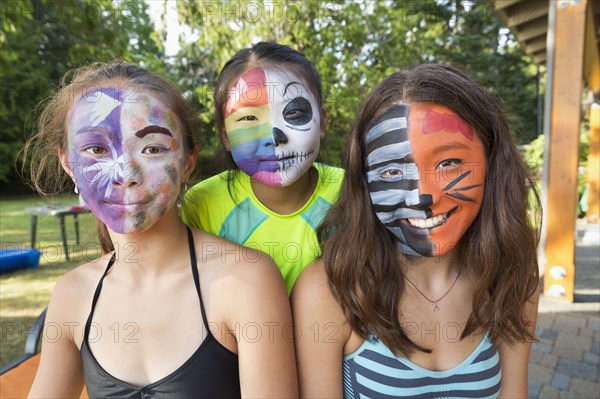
<point x="426" y="173"/>
<point x="431" y="230"/>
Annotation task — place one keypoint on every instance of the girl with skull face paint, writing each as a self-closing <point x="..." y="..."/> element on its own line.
<point x="270" y="118"/>
<point x="428" y="281"/>
<point x="135" y="322"/>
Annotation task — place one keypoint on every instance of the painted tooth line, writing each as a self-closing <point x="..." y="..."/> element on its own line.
<point x="293" y="156"/>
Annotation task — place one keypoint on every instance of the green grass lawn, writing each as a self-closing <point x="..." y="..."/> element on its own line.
<point x="25" y="293"/>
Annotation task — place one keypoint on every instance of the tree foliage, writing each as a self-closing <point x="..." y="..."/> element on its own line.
<point x="42" y="39"/>
<point x="354" y="45"/>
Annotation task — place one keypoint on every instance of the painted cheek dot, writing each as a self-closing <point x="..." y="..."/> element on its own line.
<point x="171" y="172"/>
<point x="139" y="219"/>
<point x="156" y="115"/>
<point x="138" y="124"/>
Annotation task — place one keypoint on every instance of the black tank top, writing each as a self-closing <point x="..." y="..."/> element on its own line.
<point x="211" y="372"/>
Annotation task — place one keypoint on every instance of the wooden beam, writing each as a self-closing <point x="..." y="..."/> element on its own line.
<point x="567" y="86"/>
<point x="592" y="54"/>
<point x="592" y="73"/>
<point x="535" y="45"/>
<point x="502" y="4"/>
<point x="540" y="58"/>
<point x="593" y="167"/>
<point x="525" y="12"/>
<point x="536" y="28"/>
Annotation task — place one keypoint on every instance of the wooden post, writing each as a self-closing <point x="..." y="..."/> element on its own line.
<point x="593" y="167"/>
<point x="562" y="166"/>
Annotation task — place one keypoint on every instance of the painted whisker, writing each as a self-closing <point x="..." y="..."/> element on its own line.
<point x="468" y="187"/>
<point x="456" y="181"/>
<point x="460" y="196"/>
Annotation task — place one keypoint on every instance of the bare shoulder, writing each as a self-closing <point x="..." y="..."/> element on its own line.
<point x="321" y="333"/>
<point x="314" y="302"/>
<point x="239" y="284"/>
<point x="71" y="300"/>
<point x="240" y="267"/>
<point x="83" y="276"/>
<point x="312" y="288"/>
<point x="75" y="289"/>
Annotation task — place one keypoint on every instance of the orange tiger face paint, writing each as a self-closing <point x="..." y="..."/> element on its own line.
<point x="426" y="174"/>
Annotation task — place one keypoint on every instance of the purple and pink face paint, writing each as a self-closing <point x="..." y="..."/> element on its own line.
<point x="273" y="126"/>
<point x="126" y="155"/>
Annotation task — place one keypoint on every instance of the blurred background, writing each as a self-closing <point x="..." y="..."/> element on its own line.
<point x="353" y="45"/>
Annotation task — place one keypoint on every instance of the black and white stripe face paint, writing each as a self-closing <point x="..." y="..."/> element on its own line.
<point x="425" y="172"/>
<point x="393" y="180"/>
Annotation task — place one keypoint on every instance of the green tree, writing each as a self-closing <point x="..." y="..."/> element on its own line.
<point x="42" y="39"/>
<point x="503" y="68"/>
<point x="354" y="45"/>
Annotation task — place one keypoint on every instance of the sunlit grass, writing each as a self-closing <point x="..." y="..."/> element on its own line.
<point x="25" y="293"/>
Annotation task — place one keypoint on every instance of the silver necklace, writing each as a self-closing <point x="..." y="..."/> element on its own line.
<point x="435" y="303"/>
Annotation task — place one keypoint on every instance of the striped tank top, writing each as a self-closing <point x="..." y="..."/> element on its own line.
<point x="373" y="371"/>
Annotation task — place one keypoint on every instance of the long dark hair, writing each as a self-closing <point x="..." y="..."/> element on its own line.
<point x="45" y="172"/>
<point x="498" y="250"/>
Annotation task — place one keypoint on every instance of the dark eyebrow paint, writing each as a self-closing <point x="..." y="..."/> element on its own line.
<point x="152" y="129"/>
<point x="288" y="85"/>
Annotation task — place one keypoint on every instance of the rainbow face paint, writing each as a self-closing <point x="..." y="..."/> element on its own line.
<point x="125" y="151"/>
<point x="426" y="175"/>
<point x="272" y="124"/>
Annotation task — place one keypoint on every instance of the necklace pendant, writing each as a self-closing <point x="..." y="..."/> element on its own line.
<point x="435" y="307"/>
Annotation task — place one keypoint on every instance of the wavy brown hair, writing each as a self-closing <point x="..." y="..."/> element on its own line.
<point x="45" y="172"/>
<point x="498" y="250"/>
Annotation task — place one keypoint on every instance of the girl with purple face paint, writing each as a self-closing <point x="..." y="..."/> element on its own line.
<point x="159" y="315"/>
<point x="428" y="282"/>
<point x="270" y="119"/>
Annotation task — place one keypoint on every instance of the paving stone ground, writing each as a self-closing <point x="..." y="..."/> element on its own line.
<point x="565" y="362"/>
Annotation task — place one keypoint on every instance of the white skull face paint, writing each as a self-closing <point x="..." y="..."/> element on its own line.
<point x="273" y="125"/>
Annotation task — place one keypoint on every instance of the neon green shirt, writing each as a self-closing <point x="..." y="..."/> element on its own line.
<point x="240" y="217"/>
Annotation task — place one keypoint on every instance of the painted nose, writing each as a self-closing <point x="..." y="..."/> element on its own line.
<point x="126" y="173"/>
<point x="279" y="136"/>
<point x="425" y="201"/>
<point x="429" y="186"/>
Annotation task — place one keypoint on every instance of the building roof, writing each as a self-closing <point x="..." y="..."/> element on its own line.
<point x="528" y="21"/>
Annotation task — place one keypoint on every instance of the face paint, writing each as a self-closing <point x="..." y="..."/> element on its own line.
<point x="126" y="155"/>
<point x="272" y="124"/>
<point x="425" y="172"/>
